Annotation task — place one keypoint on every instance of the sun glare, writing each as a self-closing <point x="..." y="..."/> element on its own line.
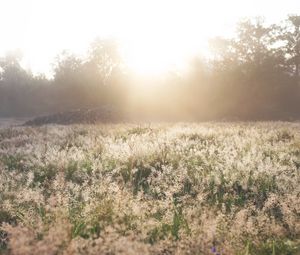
<point x="149" y="57"/>
<point x="155" y="36"/>
<point x="146" y="62"/>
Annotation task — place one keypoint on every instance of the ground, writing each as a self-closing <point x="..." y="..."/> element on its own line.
<point x="186" y="188"/>
<point x="8" y="122"/>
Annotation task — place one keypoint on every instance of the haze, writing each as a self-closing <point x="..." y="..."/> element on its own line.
<point x="154" y="36"/>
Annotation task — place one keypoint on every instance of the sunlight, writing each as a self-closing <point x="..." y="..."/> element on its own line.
<point x="149" y="127"/>
<point x="155" y="36"/>
<point x="155" y="40"/>
<point x="149" y="57"/>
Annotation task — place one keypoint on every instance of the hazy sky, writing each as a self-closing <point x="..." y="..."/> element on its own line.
<point x="154" y="34"/>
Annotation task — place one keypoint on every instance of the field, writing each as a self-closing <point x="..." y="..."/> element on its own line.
<point x="209" y="188"/>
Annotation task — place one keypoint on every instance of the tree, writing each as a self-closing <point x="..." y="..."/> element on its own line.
<point x="291" y="37"/>
<point x="103" y="59"/>
<point x="254" y="42"/>
<point x="67" y="68"/>
<point x="249" y="71"/>
<point x="222" y="50"/>
<point x="12" y="73"/>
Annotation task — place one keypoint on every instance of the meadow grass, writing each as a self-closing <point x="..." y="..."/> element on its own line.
<point x="186" y="188"/>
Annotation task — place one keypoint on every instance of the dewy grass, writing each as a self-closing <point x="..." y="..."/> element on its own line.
<point x="210" y="188"/>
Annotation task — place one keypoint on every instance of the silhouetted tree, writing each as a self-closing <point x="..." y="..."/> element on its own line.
<point x="291" y="38"/>
<point x="250" y="76"/>
<point x="103" y="59"/>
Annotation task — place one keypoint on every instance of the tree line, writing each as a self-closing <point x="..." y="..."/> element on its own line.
<point x="252" y="76"/>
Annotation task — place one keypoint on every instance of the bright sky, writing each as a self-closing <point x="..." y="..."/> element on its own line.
<point x="154" y="34"/>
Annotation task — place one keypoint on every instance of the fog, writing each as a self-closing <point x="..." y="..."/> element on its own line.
<point x="254" y="75"/>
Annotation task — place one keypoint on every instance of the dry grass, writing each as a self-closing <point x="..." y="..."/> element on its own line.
<point x="210" y="188"/>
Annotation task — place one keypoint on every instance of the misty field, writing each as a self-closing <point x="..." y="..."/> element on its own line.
<point x="210" y="188"/>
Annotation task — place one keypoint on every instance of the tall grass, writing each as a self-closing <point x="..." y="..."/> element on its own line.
<point x="158" y="189"/>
